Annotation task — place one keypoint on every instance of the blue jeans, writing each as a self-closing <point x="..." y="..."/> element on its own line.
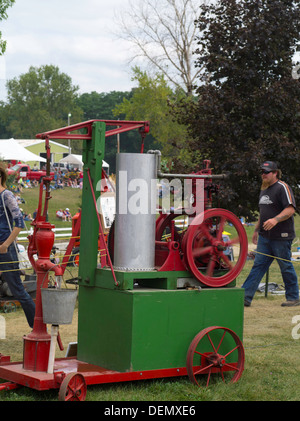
<point x="12" y="277"/>
<point x="276" y="248"/>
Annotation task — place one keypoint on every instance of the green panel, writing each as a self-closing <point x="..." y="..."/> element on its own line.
<point x="147" y="329"/>
<point x="104" y="328"/>
<point x="93" y="153"/>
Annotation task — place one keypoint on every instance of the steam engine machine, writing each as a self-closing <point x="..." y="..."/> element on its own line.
<point x="160" y="301"/>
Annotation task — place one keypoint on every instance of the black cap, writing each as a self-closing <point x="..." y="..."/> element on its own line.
<point x="269" y="166"/>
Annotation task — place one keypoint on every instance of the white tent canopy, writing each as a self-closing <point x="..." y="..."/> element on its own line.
<point x="77" y="160"/>
<point x="10" y="149"/>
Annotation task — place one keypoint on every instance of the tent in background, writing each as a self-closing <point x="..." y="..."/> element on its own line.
<point x="77" y="160"/>
<point x="73" y="159"/>
<point x="11" y="150"/>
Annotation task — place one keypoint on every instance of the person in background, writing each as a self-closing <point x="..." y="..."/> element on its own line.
<point x="60" y="215"/>
<point x="9" y="231"/>
<point x="67" y="214"/>
<point x="273" y="235"/>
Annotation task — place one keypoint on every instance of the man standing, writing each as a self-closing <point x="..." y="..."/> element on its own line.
<point x="273" y="235"/>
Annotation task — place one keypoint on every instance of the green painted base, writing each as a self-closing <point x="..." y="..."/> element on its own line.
<point x="126" y="280"/>
<point x="148" y="329"/>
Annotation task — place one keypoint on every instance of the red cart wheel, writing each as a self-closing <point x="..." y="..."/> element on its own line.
<point x="73" y="388"/>
<point x="215" y="350"/>
<point x="206" y="253"/>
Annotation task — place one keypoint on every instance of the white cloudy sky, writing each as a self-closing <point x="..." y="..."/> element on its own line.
<point x="75" y="35"/>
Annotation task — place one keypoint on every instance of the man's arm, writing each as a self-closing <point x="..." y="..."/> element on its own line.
<point x="282" y="216"/>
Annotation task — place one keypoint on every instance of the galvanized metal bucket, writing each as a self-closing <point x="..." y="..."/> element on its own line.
<point x="58" y="305"/>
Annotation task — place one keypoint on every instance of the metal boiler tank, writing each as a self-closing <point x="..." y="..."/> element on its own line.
<point x="134" y="246"/>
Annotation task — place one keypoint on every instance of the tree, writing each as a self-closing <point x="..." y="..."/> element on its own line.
<point x="40" y="100"/>
<point x="101" y="106"/>
<point x="4" y="5"/>
<point x="151" y="101"/>
<point x="248" y="107"/>
<point x="163" y="33"/>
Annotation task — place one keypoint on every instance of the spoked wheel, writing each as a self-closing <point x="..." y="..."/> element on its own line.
<point x="73" y="388"/>
<point x="206" y="253"/>
<point x="215" y="350"/>
<point x="164" y="228"/>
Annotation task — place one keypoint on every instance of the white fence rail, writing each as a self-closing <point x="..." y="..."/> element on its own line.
<point x="59" y="233"/>
<point x="67" y="232"/>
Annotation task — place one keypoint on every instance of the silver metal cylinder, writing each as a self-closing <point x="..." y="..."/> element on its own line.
<point x="134" y="242"/>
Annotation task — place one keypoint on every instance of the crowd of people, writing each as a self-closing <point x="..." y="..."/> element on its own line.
<point x="73" y="178"/>
<point x="61" y="180"/>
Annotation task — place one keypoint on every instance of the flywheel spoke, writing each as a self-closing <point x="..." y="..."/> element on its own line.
<point x="211" y="342"/>
<point x="221" y="340"/>
<point x="221" y="228"/>
<point x="211" y="266"/>
<point x="230" y="352"/>
<point x="232" y="367"/>
<point x="203" y="369"/>
<point x="232" y="242"/>
<point x="206" y="233"/>
<point x="202" y="251"/>
<point x="227" y="261"/>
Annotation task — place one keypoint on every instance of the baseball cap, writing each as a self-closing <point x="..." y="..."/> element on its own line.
<point x="269" y="166"/>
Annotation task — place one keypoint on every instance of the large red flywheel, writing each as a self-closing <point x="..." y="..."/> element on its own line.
<point x="205" y="251"/>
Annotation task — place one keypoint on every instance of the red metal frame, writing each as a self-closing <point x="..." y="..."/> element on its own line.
<point x="93" y="374"/>
<point x="122" y="126"/>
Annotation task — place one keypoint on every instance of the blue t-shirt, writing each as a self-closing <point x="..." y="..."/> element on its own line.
<point x="13" y="212"/>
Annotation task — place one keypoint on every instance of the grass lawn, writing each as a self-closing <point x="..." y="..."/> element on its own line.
<point x="67" y="197"/>
<point x="272" y="365"/>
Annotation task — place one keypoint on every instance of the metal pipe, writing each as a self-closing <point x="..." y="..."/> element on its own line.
<point x="160" y="174"/>
<point x="212" y="176"/>
<point x="54" y="333"/>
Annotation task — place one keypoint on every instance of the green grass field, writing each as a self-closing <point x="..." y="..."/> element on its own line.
<point x="67" y="197"/>
<point x="272" y="365"/>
